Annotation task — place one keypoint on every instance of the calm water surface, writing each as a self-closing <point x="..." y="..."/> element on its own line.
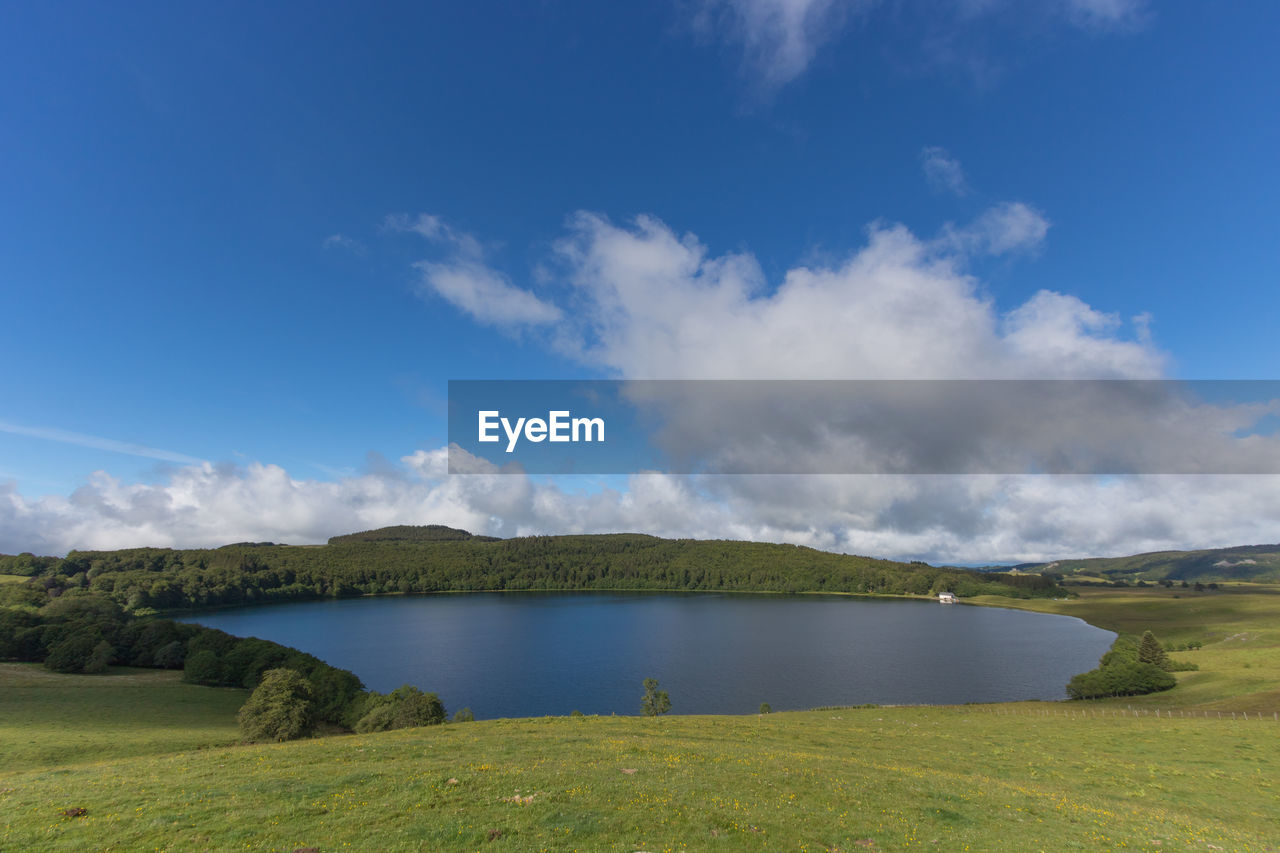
<point x="530" y="654"/>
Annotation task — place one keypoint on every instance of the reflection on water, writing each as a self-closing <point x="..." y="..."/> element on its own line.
<point x="530" y="654"/>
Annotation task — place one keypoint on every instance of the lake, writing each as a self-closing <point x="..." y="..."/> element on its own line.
<point x="532" y="654"/>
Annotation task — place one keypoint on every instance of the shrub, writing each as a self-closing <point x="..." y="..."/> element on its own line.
<point x="1126" y="678"/>
<point x="766" y="708"/>
<point x="279" y="708"/>
<point x="100" y="658"/>
<point x="1125" y="648"/>
<point x="18" y="640"/>
<point x="170" y="655"/>
<point x="71" y="654"/>
<point x="202" y="667"/>
<point x="655" y="702"/>
<point x="464" y="716"/>
<point x="404" y="707"/>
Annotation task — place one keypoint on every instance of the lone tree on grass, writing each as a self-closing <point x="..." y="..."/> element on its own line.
<point x="278" y="709"/>
<point x="655" y="702"/>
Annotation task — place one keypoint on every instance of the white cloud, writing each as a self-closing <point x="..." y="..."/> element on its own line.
<point x="1002" y="229"/>
<point x="465" y="281"/>
<point x="955" y="519"/>
<point x="779" y="38"/>
<point x="943" y="171"/>
<point x="642" y="300"/>
<point x="485" y="294"/>
<point x="436" y="230"/>
<point x="1055" y="328"/>
<point x="651" y="304"/>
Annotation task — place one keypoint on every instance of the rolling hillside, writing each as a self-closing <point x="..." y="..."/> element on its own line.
<point x="1253" y="563"/>
<point x="437" y="559"/>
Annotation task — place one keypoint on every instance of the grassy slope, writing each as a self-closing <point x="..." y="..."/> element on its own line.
<point x="13" y="578"/>
<point x="1026" y="776"/>
<point x="887" y="779"/>
<point x="1258" y="563"/>
<point x="48" y="719"/>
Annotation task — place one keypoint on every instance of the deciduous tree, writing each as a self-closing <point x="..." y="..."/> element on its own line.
<point x="278" y="709"/>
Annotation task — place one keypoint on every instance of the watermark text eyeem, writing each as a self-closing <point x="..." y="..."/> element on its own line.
<point x="557" y="426"/>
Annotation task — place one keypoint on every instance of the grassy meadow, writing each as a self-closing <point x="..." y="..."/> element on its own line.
<point x="156" y="766"/>
<point x="882" y="779"/>
<point x="1239" y="627"/>
<point x="48" y="719"/>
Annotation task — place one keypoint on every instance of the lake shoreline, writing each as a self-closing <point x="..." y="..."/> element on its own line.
<point x="531" y="653"/>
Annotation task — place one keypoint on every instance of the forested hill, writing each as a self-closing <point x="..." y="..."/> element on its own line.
<point x="1255" y="563"/>
<point x="160" y="578"/>
<point x="411" y="533"/>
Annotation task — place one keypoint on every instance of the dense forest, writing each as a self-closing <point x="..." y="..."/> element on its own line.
<point x="410" y="533"/>
<point x="436" y="559"/>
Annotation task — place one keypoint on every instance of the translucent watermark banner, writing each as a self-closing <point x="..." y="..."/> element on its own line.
<point x="1096" y="427"/>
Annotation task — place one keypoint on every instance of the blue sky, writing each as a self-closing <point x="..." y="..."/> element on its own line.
<point x="212" y="242"/>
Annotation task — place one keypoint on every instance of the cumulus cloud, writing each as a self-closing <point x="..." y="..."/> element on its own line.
<point x="945" y="519"/>
<point x="649" y="303"/>
<point x="945" y="427"/>
<point x="641" y="300"/>
<point x="943" y="171"/>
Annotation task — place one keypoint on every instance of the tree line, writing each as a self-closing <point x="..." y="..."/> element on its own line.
<point x="144" y="580"/>
<point x="85" y="632"/>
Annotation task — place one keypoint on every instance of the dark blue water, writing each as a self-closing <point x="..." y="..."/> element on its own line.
<point x="530" y="654"/>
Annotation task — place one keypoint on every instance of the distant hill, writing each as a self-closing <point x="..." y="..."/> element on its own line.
<point x="1256" y="563"/>
<point x="411" y="533"/>
<point x="442" y="559"/>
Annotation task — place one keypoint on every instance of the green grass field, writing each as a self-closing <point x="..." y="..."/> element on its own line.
<point x="880" y="779"/>
<point x="13" y="578"/>
<point x="1239" y="627"/>
<point x="154" y="763"/>
<point x="48" y="719"/>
